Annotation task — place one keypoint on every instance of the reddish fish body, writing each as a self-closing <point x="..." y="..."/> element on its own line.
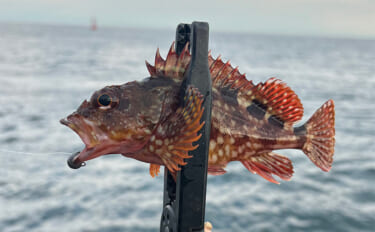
<point x="146" y="121"/>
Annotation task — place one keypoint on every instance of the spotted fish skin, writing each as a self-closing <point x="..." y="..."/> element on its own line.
<point x="147" y="121"/>
<point x="250" y="121"/>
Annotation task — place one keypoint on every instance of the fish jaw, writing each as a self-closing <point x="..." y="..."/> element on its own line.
<point x="97" y="142"/>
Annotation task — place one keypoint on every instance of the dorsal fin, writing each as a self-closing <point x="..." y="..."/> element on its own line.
<point x="225" y="76"/>
<point x="280" y="100"/>
<point x="173" y="66"/>
<point x="277" y="98"/>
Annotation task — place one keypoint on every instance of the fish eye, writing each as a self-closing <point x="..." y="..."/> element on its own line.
<point x="104" y="100"/>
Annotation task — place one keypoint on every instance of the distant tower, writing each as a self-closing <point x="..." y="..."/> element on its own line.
<point x="94" y="26"/>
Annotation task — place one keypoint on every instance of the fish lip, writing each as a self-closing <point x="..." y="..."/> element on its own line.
<point x="72" y="121"/>
<point x="65" y="122"/>
<point x="94" y="147"/>
<point x="96" y="141"/>
<point x="84" y="130"/>
<point x="87" y="154"/>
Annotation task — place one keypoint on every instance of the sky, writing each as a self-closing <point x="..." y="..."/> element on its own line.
<point x="336" y="18"/>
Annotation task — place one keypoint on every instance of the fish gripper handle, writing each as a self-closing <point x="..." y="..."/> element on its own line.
<point x="184" y="200"/>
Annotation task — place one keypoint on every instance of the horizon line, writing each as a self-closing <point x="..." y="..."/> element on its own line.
<point x="166" y="28"/>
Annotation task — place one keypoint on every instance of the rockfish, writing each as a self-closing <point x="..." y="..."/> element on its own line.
<point x="147" y="121"/>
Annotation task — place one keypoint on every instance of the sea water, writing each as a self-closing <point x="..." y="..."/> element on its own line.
<point x="47" y="71"/>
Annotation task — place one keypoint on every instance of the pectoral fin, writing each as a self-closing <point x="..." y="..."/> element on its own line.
<point x="173" y="137"/>
<point x="154" y="170"/>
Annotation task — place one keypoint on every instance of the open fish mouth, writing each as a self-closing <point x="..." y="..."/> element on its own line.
<point x="96" y="141"/>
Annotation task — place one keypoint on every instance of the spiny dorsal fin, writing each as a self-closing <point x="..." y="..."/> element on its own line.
<point x="225" y="76"/>
<point x="278" y="99"/>
<point x="173" y="66"/>
<point x="275" y="96"/>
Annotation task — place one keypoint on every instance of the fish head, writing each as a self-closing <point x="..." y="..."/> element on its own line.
<point x="110" y="122"/>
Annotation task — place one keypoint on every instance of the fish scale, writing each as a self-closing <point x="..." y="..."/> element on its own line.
<point x="248" y="123"/>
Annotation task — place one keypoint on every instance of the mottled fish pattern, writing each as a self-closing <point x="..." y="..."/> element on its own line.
<point x="146" y="121"/>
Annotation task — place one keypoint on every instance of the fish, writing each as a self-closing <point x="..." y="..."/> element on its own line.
<point x="147" y="121"/>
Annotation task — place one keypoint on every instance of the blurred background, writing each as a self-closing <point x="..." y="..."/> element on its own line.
<point x="54" y="54"/>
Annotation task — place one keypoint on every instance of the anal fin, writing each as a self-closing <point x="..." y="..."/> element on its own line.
<point x="215" y="170"/>
<point x="268" y="164"/>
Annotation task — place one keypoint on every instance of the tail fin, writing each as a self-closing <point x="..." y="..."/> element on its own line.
<point x="320" y="141"/>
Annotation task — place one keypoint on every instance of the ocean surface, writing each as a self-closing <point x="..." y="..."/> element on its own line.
<point x="47" y="71"/>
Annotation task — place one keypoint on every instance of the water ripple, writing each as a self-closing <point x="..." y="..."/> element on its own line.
<point x="46" y="72"/>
